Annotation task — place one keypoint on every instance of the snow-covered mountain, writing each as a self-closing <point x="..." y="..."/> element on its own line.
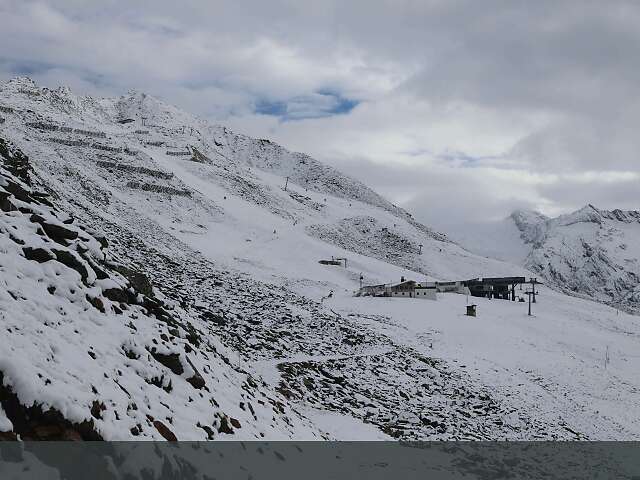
<point x="591" y="253"/>
<point x="224" y="326"/>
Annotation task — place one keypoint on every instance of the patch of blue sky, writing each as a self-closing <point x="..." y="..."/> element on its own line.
<point x="464" y="160"/>
<point x="323" y="103"/>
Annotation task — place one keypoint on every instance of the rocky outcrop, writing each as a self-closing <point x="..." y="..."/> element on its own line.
<point x="366" y="235"/>
<point x="36" y="422"/>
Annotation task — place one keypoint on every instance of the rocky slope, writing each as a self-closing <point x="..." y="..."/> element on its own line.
<point x="90" y="352"/>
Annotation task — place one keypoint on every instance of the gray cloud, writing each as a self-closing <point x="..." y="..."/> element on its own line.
<point x="499" y="105"/>
<point x="606" y="193"/>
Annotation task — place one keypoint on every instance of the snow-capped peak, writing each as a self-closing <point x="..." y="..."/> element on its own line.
<point x="587" y="214"/>
<point x="18" y="82"/>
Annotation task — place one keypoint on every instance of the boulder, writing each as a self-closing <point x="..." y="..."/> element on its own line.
<point x="163" y="430"/>
<point x="39" y="255"/>
<point x="57" y="233"/>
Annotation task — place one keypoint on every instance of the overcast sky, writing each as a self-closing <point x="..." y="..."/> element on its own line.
<point x="457" y="110"/>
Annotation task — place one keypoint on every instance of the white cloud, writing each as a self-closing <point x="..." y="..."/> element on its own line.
<point x="499" y="105"/>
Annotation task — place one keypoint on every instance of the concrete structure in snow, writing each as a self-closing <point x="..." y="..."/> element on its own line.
<point x="405" y="289"/>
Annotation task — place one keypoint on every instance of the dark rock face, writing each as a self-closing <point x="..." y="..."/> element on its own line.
<point x="171" y="361"/>
<point x="5" y="204"/>
<point x="39" y="255"/>
<point x="70" y="260"/>
<point x="57" y="233"/>
<point x="15" y="161"/>
<point x="152" y="187"/>
<point x="197" y="381"/>
<point x="224" y="426"/>
<point x="163" y="430"/>
<point x="35" y="423"/>
<point x="119" y="295"/>
<point x="138" y="280"/>
<point x="97" y="408"/>
<point x="96" y="302"/>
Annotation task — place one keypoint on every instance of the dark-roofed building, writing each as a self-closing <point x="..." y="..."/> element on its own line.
<point x="495" y="287"/>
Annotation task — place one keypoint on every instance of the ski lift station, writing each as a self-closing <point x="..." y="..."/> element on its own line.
<point x="503" y="288"/>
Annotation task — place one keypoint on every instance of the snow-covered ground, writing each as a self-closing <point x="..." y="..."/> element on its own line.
<point x="554" y="362"/>
<point x="236" y="256"/>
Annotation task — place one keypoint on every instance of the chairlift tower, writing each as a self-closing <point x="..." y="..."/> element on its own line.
<point x="532" y="292"/>
<point x="529" y="293"/>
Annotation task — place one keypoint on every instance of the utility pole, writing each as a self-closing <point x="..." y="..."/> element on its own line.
<point x="529" y="293"/>
<point x="286" y="183"/>
<point x="361" y="278"/>
<point x="532" y="293"/>
<point x="533" y="282"/>
<point x="420" y="251"/>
